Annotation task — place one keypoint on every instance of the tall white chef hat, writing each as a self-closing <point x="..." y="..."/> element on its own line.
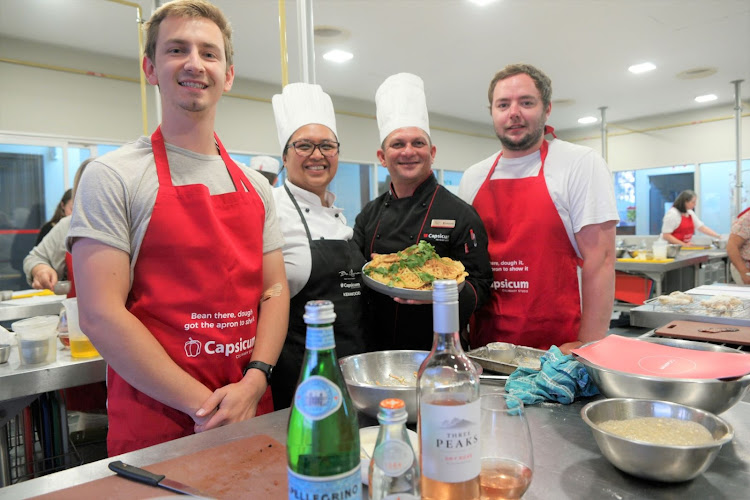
<point x="301" y="104"/>
<point x="265" y="164"/>
<point x="400" y="102"/>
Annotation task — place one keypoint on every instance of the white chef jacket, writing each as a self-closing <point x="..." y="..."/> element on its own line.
<point x="323" y="222"/>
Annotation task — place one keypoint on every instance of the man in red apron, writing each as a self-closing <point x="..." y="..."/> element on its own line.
<point x="172" y="249"/>
<point x="549" y="210"/>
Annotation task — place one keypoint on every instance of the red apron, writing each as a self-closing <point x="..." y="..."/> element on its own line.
<point x="200" y="266"/>
<point x="535" y="300"/>
<point x="69" y="265"/>
<point x="685" y="230"/>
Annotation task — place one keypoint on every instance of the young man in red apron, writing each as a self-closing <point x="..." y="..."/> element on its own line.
<point x="186" y="346"/>
<point x="535" y="300"/>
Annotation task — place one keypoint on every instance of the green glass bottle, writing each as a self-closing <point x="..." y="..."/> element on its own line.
<point x="323" y="433"/>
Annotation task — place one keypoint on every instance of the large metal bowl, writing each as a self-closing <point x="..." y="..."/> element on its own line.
<point x="713" y="395"/>
<point x="673" y="250"/>
<point x="652" y="461"/>
<point x="370" y="379"/>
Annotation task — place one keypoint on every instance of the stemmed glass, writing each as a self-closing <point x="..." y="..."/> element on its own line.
<point x="506" y="450"/>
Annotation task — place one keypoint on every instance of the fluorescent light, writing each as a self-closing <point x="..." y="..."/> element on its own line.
<point x="642" y="68"/>
<point x="337" y="55"/>
<point x="588" y="119"/>
<point x="706" y="98"/>
<point x="482" y="3"/>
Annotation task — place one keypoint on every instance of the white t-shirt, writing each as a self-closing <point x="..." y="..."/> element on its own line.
<point x="578" y="179"/>
<point x="117" y="192"/>
<point x="324" y="222"/>
<point x="50" y="251"/>
<point x="673" y="219"/>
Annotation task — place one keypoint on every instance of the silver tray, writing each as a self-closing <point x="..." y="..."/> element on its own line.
<point x="525" y="356"/>
<point x="402" y="293"/>
<point x="696" y="307"/>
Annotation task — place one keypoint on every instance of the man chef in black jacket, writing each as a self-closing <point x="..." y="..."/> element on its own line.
<point x="416" y="208"/>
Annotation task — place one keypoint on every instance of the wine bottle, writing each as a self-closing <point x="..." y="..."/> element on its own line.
<point x="323" y="433"/>
<point x="448" y="409"/>
<point x="394" y="470"/>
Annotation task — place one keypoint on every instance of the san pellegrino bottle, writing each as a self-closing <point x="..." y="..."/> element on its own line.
<point x="394" y="469"/>
<point x="448" y="418"/>
<point x="323" y="434"/>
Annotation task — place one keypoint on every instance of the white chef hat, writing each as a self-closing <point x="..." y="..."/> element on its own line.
<point x="265" y="164"/>
<point x="400" y="102"/>
<point x="301" y="104"/>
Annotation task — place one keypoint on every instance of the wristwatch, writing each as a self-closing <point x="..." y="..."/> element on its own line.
<point x="260" y="365"/>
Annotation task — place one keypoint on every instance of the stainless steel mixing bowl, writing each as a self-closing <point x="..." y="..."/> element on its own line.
<point x="4" y="353"/>
<point x="370" y="379"/>
<point x="712" y="395"/>
<point x="652" y="461"/>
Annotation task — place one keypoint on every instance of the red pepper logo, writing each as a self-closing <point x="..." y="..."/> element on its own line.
<point x="192" y="348"/>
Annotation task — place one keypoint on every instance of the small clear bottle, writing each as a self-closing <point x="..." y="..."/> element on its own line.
<point x="448" y="418"/>
<point x="394" y="469"/>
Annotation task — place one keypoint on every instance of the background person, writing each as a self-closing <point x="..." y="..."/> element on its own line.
<point x="549" y="209"/>
<point x="173" y="245"/>
<point x="416" y="208"/>
<point x="321" y="260"/>
<point x="268" y="166"/>
<point x="680" y="222"/>
<point x="64" y="209"/>
<point x="738" y="248"/>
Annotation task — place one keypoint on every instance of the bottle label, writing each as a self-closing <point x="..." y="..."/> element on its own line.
<point x="317" y="397"/>
<point x="319" y="338"/>
<point x="450" y="441"/>
<point x="393" y="457"/>
<point x="346" y="485"/>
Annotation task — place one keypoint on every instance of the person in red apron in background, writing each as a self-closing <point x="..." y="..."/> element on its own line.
<point x="173" y="245"/>
<point x="680" y="222"/>
<point x="549" y="209"/>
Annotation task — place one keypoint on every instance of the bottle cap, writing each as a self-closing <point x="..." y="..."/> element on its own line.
<point x="392" y="411"/>
<point x="319" y="312"/>
<point x="444" y="291"/>
<point x="392" y="403"/>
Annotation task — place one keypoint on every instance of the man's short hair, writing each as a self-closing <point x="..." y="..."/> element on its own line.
<point x="188" y="8"/>
<point x="541" y="81"/>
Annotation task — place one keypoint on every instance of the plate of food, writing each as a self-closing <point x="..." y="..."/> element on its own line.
<point x="409" y="274"/>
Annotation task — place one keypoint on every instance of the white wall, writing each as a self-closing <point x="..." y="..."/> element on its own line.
<point x="48" y="102"/>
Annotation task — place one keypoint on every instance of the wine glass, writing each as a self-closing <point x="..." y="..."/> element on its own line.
<point x="506" y="451"/>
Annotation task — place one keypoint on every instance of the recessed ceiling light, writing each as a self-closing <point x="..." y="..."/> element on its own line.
<point x="337" y="55"/>
<point x="588" y="119"/>
<point x="482" y="3"/>
<point x="706" y="98"/>
<point x="642" y="68"/>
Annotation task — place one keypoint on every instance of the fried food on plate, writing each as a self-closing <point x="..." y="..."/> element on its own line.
<point x="415" y="268"/>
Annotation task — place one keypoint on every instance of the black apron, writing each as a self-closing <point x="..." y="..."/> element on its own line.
<point x="335" y="275"/>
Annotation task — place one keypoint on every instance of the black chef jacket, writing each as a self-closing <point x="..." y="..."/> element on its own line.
<point x="389" y="224"/>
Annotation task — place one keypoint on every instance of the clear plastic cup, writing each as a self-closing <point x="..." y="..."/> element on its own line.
<point x="37" y="339"/>
<point x="80" y="345"/>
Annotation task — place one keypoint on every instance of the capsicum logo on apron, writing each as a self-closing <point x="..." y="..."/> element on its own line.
<point x="241" y="348"/>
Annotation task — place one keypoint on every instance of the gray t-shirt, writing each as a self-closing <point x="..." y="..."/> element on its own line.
<point x="117" y="192"/>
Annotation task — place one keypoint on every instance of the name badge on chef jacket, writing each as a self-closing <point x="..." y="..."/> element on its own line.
<point x="445" y="223"/>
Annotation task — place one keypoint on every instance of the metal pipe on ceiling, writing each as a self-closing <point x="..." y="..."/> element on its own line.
<point x="738" y="141"/>
<point x="605" y="153"/>
<point x="282" y="44"/>
<point x="305" y="27"/>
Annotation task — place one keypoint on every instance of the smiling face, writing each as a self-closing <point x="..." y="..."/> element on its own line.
<point x="315" y="172"/>
<point x="189" y="65"/>
<point x="408" y="155"/>
<point x="519" y="115"/>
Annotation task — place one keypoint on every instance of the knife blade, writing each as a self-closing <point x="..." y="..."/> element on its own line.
<point x="158" y="480"/>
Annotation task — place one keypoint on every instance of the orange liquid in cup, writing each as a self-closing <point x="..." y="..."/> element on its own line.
<point x="81" y="347"/>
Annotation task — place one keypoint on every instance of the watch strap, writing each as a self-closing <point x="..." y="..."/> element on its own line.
<point x="259" y="365"/>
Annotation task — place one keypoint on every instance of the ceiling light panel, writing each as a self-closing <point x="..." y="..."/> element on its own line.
<point x="642" y="68"/>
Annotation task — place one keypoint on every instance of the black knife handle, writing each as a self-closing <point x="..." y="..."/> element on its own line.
<point x="136" y="474"/>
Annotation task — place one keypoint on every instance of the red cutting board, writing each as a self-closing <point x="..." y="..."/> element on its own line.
<point x="253" y="467"/>
<point x="692" y="330"/>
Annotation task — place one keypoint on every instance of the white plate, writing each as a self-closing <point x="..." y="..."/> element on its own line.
<point x="402" y="293"/>
<point x="367" y="438"/>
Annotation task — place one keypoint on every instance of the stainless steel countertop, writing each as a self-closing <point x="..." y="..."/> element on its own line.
<point x="568" y="463"/>
<point x="10" y="312"/>
<point x="683" y="259"/>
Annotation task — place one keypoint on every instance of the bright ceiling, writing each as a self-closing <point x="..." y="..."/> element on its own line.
<point x="585" y="46"/>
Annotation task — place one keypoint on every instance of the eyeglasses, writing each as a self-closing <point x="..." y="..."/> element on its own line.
<point x="328" y="149"/>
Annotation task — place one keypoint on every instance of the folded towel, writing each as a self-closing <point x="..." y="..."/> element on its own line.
<point x="560" y="379"/>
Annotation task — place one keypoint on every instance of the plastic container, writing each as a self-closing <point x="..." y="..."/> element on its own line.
<point x="660" y="249"/>
<point x="80" y="345"/>
<point x="37" y="340"/>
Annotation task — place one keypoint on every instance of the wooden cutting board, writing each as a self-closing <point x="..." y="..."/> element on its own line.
<point x="692" y="330"/>
<point x="253" y="467"/>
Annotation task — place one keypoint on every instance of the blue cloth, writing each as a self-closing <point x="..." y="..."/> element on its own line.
<point x="560" y="379"/>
